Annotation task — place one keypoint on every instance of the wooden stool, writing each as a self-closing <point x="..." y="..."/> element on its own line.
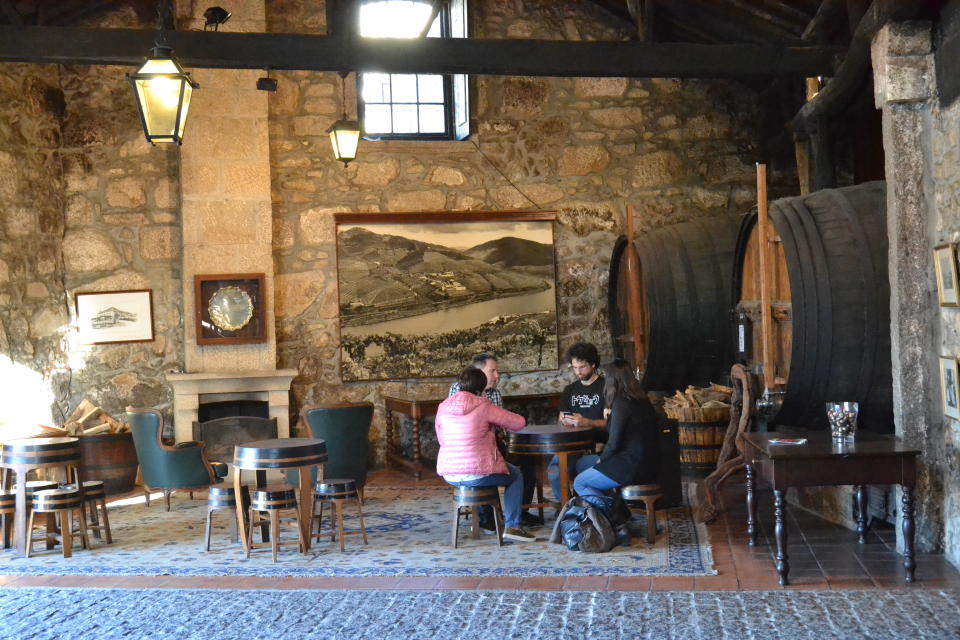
<point x="94" y="500"/>
<point x="64" y="503"/>
<point x="337" y="491"/>
<point x="273" y="500"/>
<point x="223" y="496"/>
<point x="468" y="499"/>
<point x="8" y="506"/>
<point x="32" y="486"/>
<point x="648" y="494"/>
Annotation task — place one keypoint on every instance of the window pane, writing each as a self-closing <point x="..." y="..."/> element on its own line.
<point x="431" y="88"/>
<point x="404" y="87"/>
<point x="377" y="118"/>
<point x="394" y="18"/>
<point x="434" y="28"/>
<point x="404" y="118"/>
<point x="376" y="87"/>
<point x="431" y="119"/>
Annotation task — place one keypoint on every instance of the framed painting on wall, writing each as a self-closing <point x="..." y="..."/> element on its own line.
<point x="945" y="261"/>
<point x="420" y="293"/>
<point x="114" y="316"/>
<point x="948" y="387"/>
<point x="230" y="308"/>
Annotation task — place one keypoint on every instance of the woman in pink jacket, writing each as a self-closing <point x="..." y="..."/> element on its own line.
<point x="468" y="450"/>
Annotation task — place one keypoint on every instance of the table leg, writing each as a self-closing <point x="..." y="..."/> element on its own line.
<point x="417" y="466"/>
<point x="780" y="531"/>
<point x="908" y="562"/>
<point x="264" y="524"/>
<point x="389" y="434"/>
<point x="751" y="507"/>
<point x="861" y="493"/>
<point x="306" y="507"/>
<point x="241" y="509"/>
<point x="20" y="531"/>
<point x="564" y="478"/>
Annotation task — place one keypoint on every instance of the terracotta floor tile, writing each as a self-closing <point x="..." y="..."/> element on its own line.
<point x="629" y="583"/>
<point x="543" y="583"/>
<point x="586" y="583"/>
<point x="417" y="583"/>
<point x="500" y="582"/>
<point x="716" y="583"/>
<point x="375" y="582"/>
<point x="671" y="584"/>
<point x="458" y="582"/>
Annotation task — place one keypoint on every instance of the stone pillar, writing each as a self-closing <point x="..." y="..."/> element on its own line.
<point x="904" y="86"/>
<point x="225" y="181"/>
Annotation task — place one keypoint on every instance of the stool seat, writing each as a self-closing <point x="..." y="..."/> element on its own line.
<point x="272" y="500"/>
<point x="468" y="499"/>
<point x="648" y="494"/>
<point x="32" y="486"/>
<point x="95" y="499"/>
<point x="62" y="502"/>
<point x="56" y="499"/>
<point x="223" y="496"/>
<point x="8" y="500"/>
<point x="337" y="491"/>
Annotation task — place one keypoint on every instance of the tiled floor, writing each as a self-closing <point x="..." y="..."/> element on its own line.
<point x="822" y="556"/>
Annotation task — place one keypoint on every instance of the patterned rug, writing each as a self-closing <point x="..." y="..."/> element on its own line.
<point x="409" y="534"/>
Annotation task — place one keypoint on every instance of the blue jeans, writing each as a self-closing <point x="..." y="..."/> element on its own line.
<point x="512" y="495"/>
<point x="576" y="465"/>
<point x="591" y="483"/>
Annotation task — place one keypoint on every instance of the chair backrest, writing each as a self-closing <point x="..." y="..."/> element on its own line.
<point x="163" y="466"/>
<point x="346" y="429"/>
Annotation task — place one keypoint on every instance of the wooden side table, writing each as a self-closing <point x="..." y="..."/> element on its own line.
<point x="552" y="439"/>
<point x="280" y="453"/>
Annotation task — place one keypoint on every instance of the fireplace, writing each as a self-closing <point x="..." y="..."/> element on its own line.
<point x="224" y="424"/>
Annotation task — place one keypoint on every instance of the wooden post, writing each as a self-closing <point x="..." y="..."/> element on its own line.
<point x="766" y="265"/>
<point x="634" y="296"/>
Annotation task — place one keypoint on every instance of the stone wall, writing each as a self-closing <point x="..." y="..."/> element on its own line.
<point x="586" y="147"/>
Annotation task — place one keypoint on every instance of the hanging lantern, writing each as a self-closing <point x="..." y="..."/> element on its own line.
<point x="344" y="138"/>
<point x="162" y="90"/>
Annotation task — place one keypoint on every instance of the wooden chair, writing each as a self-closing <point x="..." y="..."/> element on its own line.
<point x="273" y="500"/>
<point x="337" y="492"/>
<point x="468" y="499"/>
<point x="95" y="501"/>
<point x="648" y="494"/>
<point x="63" y="503"/>
<point x="223" y="496"/>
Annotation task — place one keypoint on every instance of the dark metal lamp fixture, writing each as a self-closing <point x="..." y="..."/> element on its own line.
<point x="344" y="134"/>
<point x="215" y="16"/>
<point x="162" y="90"/>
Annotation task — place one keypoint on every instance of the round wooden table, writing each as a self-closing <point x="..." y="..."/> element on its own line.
<point x="552" y="439"/>
<point x="280" y="453"/>
<point x="38" y="453"/>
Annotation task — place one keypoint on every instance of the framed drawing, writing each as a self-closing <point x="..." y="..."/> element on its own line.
<point x="945" y="261"/>
<point x="230" y="308"/>
<point x="948" y="387"/>
<point x="420" y="293"/>
<point x="114" y="316"/>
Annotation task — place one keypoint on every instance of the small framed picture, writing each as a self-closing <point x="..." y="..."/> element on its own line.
<point x="114" y="316"/>
<point x="948" y="387"/>
<point x="945" y="260"/>
<point x="230" y="308"/>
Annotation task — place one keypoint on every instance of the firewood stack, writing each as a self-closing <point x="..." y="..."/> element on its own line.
<point x="89" y="420"/>
<point x="695" y="404"/>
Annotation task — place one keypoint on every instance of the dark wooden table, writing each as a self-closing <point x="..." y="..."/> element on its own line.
<point x="417" y="410"/>
<point x="26" y="454"/>
<point x="868" y="459"/>
<point x="280" y="453"/>
<point x="552" y="439"/>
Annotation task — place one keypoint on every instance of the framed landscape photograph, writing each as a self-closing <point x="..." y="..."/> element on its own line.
<point x="420" y="293"/>
<point x="230" y="308"/>
<point x="105" y="317"/>
<point x="945" y="261"/>
<point x="948" y="387"/>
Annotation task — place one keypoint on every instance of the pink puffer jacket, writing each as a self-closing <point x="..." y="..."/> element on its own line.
<point x="464" y="426"/>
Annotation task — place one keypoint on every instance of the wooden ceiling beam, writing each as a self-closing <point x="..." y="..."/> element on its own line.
<point x="225" y="50"/>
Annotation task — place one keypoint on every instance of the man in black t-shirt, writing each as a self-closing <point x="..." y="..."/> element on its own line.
<point x="581" y="404"/>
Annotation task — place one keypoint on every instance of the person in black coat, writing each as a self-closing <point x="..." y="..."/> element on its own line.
<point x="631" y="455"/>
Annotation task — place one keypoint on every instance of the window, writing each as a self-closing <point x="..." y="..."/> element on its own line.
<point x="413" y="106"/>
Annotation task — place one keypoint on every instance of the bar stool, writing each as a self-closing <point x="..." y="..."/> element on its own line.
<point x="337" y="491"/>
<point x="223" y="496"/>
<point x="32" y="486"/>
<point x="468" y="500"/>
<point x="94" y="500"/>
<point x="8" y="506"/>
<point x="64" y="503"/>
<point x="648" y="494"/>
<point x="273" y="500"/>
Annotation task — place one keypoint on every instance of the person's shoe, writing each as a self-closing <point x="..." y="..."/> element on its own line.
<point x="514" y="533"/>
<point x="527" y="519"/>
<point x="487" y="526"/>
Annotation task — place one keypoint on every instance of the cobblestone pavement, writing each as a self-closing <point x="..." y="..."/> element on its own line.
<point x="384" y="615"/>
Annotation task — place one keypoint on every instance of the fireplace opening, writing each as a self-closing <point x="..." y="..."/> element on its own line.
<point x="229" y="408"/>
<point x="225" y="424"/>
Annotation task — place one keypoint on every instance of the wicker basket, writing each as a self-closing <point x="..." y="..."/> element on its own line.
<point x="696" y="414"/>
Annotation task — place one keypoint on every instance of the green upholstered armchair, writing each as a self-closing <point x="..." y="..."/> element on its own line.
<point x="346" y="429"/>
<point x="169" y="467"/>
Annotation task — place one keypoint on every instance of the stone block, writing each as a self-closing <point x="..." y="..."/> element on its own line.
<point x="617" y="117"/>
<point x="200" y="179"/>
<point x="127" y="193"/>
<point x="374" y="173"/>
<point x="600" y="87"/>
<point x="20" y="222"/>
<point x="48" y="322"/>
<point x="37" y="290"/>
<point x="9" y="177"/>
<point x="295" y="292"/>
<point x="445" y="176"/>
<point x="658" y="168"/>
<point x="429" y="200"/>
<point x="317" y="225"/>
<point x="322" y="106"/>
<point x="246" y="179"/>
<point x="232" y="222"/>
<point x="523" y="95"/>
<point x="159" y="243"/>
<point x="119" y="281"/>
<point x="4" y="271"/>
<point x="311" y="125"/>
<point x="580" y="161"/>
<point x="87" y="250"/>
<point x="124" y="219"/>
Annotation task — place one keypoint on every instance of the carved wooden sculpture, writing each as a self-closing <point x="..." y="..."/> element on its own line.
<point x="731" y="456"/>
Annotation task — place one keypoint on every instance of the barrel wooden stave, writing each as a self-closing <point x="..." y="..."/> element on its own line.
<point x="111" y="458"/>
<point x="280" y="453"/>
<point x="700" y="444"/>
<point x="832" y="340"/>
<point x="686" y="329"/>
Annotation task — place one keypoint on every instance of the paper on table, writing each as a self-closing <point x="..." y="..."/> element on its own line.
<point x="787" y="441"/>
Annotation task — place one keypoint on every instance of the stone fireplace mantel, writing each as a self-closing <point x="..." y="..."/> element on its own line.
<point x="190" y="390"/>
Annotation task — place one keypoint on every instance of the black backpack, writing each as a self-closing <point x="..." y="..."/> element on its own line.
<point x="583" y="527"/>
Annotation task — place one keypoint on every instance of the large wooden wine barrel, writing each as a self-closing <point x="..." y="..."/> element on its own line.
<point x="830" y="299"/>
<point x="684" y="333"/>
<point x="111" y="458"/>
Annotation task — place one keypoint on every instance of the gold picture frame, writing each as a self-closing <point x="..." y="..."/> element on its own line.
<point x="945" y="263"/>
<point x="949" y="389"/>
